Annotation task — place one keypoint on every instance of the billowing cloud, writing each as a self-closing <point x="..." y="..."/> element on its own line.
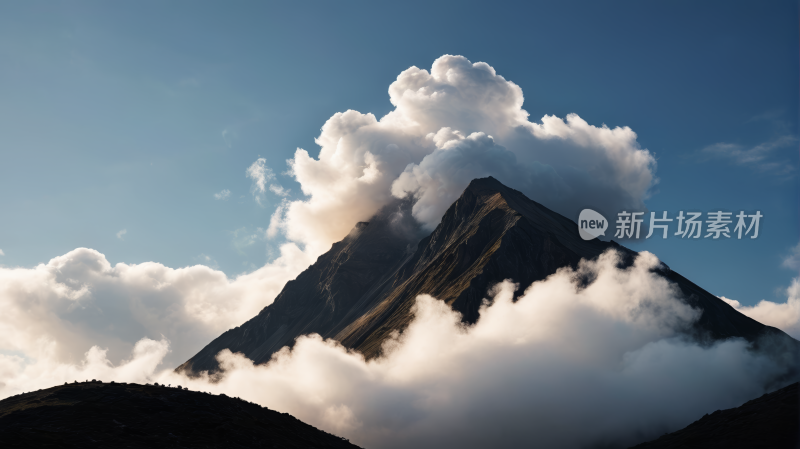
<point x="564" y="366"/>
<point x="442" y="175"/>
<point x="19" y="375"/>
<point x="458" y="121"/>
<point x="223" y="194"/>
<point x="60" y="309"/>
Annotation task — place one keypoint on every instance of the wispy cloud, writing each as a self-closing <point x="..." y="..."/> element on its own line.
<point x="207" y="260"/>
<point x="2" y="253"/>
<point x="227" y="136"/>
<point x="276" y="221"/>
<point x="758" y="157"/>
<point x="223" y="195"/>
<point x="244" y="237"/>
<point x="774" y="116"/>
<point x="791" y="261"/>
<point x="278" y="190"/>
<point x="121" y="233"/>
<point x="262" y="176"/>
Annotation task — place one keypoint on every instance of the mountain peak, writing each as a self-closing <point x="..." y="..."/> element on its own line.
<point x="363" y="290"/>
<point x="482" y="186"/>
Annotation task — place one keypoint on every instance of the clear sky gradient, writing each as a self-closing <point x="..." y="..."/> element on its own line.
<point x="131" y="116"/>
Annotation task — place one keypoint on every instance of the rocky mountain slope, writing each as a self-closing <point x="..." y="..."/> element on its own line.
<point x="363" y="289"/>
<point x="771" y="421"/>
<point x="98" y="415"/>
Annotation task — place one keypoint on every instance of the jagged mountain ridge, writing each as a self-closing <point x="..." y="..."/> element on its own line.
<point x="363" y="289"/>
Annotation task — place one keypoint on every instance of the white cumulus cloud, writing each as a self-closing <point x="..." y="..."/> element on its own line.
<point x="455" y="122"/>
<point x="60" y="309"/>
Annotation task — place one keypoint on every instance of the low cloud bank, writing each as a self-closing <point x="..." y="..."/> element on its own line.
<point x="55" y="311"/>
<point x="564" y="366"/>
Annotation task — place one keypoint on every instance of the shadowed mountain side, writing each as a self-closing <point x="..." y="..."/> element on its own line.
<point x="364" y="288"/>
<point x="338" y="288"/>
<point x="771" y="421"/>
<point x="97" y="415"/>
<point x="481" y="240"/>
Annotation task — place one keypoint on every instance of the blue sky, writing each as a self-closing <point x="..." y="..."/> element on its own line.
<point x="122" y="117"/>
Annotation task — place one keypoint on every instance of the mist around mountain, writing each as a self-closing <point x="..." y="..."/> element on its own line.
<point x="500" y="328"/>
<point x="362" y="291"/>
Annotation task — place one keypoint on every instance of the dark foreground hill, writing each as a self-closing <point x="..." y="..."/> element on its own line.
<point x="363" y="289"/>
<point x="102" y="415"/>
<point x="771" y="421"/>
